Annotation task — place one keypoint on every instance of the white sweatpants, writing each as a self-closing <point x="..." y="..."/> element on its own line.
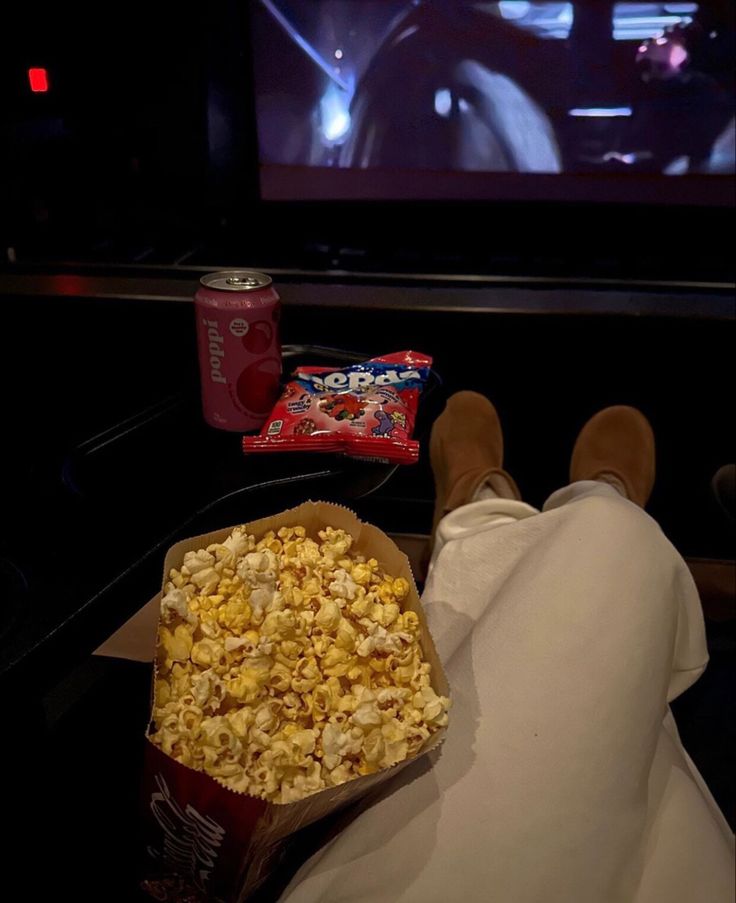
<point x="562" y="779"/>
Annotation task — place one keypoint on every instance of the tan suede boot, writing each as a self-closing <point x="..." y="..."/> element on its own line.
<point x="617" y="446"/>
<point x="466" y="451"/>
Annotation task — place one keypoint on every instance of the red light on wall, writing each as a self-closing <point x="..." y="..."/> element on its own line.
<point x="39" y="80"/>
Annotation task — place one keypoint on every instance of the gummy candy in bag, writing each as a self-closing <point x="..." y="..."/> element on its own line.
<point x="367" y="410"/>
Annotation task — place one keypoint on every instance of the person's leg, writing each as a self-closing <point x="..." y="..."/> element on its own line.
<point x="613" y="456"/>
<point x="563" y="635"/>
<point x="472" y="490"/>
<point x="466" y="452"/>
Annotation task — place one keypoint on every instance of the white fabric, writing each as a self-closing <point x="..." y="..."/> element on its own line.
<point x="484" y="491"/>
<point x="496" y="486"/>
<point x="562" y="778"/>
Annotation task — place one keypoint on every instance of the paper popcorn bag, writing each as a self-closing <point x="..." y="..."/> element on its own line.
<point x="208" y="841"/>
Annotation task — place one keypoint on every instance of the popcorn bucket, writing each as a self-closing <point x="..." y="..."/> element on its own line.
<point x="205" y="841"/>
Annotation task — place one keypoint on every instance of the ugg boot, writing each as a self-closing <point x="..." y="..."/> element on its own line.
<point x="466" y="452"/>
<point x="617" y="446"/>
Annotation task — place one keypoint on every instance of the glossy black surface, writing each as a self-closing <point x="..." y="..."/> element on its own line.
<point x="91" y="513"/>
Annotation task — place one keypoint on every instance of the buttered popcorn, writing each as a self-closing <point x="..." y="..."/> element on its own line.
<point x="287" y="665"/>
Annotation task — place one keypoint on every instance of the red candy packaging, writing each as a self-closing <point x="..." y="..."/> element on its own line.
<point x="364" y="411"/>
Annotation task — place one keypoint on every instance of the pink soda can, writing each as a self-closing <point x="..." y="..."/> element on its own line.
<point x="238" y="314"/>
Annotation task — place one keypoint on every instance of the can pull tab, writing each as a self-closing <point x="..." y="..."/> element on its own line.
<point x="245" y="281"/>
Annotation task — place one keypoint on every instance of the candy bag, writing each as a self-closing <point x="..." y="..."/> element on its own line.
<point x="364" y="411"/>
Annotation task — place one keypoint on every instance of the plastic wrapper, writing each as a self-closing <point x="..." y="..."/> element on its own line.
<point x="365" y="411"/>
